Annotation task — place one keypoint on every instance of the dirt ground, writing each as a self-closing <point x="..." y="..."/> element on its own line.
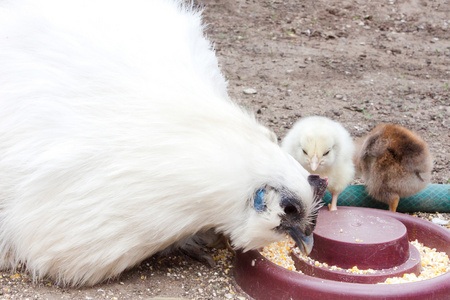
<point x="357" y="62"/>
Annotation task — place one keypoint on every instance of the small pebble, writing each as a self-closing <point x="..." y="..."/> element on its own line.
<point x="249" y="91"/>
<point x="439" y="221"/>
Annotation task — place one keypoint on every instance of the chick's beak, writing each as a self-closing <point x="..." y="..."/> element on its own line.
<point x="314" y="162"/>
<point x="304" y="242"/>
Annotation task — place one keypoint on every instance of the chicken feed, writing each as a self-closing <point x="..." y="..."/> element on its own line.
<point x="434" y="263"/>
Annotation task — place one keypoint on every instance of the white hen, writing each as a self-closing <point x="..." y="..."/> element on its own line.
<point x="118" y="140"/>
<point x="323" y="146"/>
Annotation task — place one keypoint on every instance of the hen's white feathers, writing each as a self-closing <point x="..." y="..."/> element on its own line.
<point x="117" y="138"/>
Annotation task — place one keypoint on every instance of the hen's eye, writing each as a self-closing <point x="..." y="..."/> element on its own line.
<point x="326" y="153"/>
<point x="290" y="209"/>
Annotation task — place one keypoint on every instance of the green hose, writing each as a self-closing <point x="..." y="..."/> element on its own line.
<point x="434" y="198"/>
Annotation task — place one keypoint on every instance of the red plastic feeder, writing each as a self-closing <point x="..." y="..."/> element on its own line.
<point x="370" y="241"/>
<point x="362" y="237"/>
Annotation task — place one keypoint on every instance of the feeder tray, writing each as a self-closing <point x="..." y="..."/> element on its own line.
<point x="348" y="238"/>
<point x="351" y="236"/>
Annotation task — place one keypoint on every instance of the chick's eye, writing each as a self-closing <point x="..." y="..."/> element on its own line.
<point x="304" y="152"/>
<point x="326" y="153"/>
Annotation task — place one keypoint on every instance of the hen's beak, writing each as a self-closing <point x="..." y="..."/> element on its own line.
<point x="314" y="162"/>
<point x="304" y="243"/>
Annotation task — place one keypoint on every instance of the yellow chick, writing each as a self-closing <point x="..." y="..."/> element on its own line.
<point x="324" y="147"/>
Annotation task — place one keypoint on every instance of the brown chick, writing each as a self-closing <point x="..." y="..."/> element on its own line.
<point x="394" y="163"/>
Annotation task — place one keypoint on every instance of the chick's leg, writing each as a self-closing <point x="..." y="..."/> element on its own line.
<point x="333" y="204"/>
<point x="394" y="203"/>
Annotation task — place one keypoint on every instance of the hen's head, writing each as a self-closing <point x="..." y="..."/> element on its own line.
<point x="276" y="210"/>
<point x="298" y="222"/>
